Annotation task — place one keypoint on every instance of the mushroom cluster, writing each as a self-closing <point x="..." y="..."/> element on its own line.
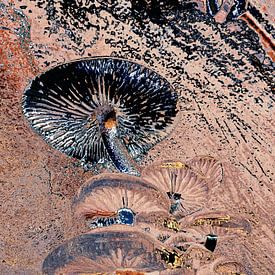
<point x="112" y="111"/>
<point x="167" y="204"/>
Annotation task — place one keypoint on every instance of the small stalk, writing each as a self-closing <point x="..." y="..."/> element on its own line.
<point x="113" y="144"/>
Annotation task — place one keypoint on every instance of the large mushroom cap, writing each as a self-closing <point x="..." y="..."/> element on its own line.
<point x="105" y="251"/>
<point x="187" y="191"/>
<point x="64" y="104"/>
<point x="106" y="194"/>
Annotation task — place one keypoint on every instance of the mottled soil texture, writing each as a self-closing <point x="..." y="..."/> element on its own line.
<point x="223" y="74"/>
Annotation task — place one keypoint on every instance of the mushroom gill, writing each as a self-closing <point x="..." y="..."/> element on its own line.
<point x="110" y="199"/>
<point x="208" y="168"/>
<point x="105" y="251"/>
<point x="186" y="190"/>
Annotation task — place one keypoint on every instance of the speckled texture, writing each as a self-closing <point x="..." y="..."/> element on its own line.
<point x="224" y="80"/>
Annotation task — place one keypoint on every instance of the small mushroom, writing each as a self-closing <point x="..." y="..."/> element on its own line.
<point x="188" y="237"/>
<point x="211" y="227"/>
<point x="192" y="256"/>
<point x="187" y="191"/>
<point x="111" y="198"/>
<point x="173" y="258"/>
<point x="106" y="251"/>
<point x="101" y="109"/>
<point x="208" y="168"/>
<point x="198" y="255"/>
<point x="225" y="265"/>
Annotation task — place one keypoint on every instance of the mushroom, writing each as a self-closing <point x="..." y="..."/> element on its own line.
<point x="182" y="241"/>
<point x="218" y="223"/>
<point x="209" y="227"/>
<point x="208" y="168"/>
<point x="107" y="251"/>
<point x="197" y="255"/>
<point x="224" y="265"/>
<point x="110" y="198"/>
<point x="186" y="190"/>
<point x="101" y="109"/>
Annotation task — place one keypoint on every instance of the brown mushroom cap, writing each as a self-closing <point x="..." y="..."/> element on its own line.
<point x="105" y="251"/>
<point x="174" y="177"/>
<point x="208" y="168"/>
<point x="110" y="199"/>
<point x="109" y="192"/>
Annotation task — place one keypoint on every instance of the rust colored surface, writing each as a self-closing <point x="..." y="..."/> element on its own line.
<point x="265" y="38"/>
<point x="224" y="78"/>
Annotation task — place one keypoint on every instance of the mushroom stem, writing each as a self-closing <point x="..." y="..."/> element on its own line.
<point x="117" y="151"/>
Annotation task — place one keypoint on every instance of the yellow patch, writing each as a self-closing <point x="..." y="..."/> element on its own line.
<point x="171" y="224"/>
<point x="176" y="164"/>
<point x="212" y="221"/>
<point x="110" y="123"/>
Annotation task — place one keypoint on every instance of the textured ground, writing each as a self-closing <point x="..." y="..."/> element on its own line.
<point x="224" y="79"/>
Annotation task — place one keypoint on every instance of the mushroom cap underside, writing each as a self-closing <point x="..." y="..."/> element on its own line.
<point x="61" y="105"/>
<point x="208" y="168"/>
<point x="180" y="182"/>
<point x="109" y="192"/>
<point x="105" y="251"/>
